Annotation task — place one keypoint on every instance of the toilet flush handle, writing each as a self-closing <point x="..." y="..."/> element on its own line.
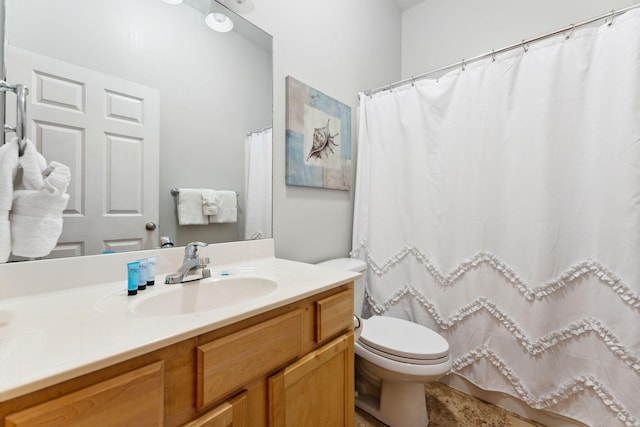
<point x="357" y="327"/>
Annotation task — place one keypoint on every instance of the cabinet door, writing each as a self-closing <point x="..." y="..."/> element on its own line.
<point x="132" y="399"/>
<point x="234" y="413"/>
<point x="334" y="314"/>
<point x="317" y="390"/>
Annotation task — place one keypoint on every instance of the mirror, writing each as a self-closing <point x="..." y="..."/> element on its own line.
<point x="198" y="93"/>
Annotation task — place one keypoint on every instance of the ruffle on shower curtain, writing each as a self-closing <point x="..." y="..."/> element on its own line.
<point x="500" y="205"/>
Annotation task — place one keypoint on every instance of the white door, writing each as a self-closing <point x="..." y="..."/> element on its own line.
<point x="107" y="131"/>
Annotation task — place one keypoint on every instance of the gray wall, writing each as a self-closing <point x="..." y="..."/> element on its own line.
<point x="338" y="47"/>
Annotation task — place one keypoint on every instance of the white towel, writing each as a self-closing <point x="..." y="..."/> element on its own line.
<point x="32" y="165"/>
<point x="227" y="209"/>
<point x="211" y="202"/>
<point x="190" y="207"/>
<point x="8" y="169"/>
<point x="38" y="204"/>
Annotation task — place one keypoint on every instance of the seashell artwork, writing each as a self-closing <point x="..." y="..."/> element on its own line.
<point x="318" y="138"/>
<point x="322" y="142"/>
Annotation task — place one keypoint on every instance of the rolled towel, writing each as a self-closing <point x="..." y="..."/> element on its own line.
<point x="36" y="222"/>
<point x="227" y="209"/>
<point x="57" y="178"/>
<point x="190" y="207"/>
<point x="32" y="164"/>
<point x="36" y="215"/>
<point x="8" y="170"/>
<point x="211" y="202"/>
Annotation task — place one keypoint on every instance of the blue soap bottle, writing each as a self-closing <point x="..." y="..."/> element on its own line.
<point x="142" y="279"/>
<point x="133" y="277"/>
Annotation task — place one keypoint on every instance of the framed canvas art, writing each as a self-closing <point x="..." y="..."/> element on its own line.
<point x="318" y="139"/>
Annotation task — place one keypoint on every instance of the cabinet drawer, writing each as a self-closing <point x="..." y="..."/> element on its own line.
<point x="120" y="401"/>
<point x="334" y="314"/>
<point x="231" y="362"/>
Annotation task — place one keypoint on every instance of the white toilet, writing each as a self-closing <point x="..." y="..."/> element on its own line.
<point x="394" y="358"/>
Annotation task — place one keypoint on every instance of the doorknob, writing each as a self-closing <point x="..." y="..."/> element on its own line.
<point x="150" y="226"/>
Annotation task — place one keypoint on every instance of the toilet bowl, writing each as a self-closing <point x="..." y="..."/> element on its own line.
<point x="394" y="358"/>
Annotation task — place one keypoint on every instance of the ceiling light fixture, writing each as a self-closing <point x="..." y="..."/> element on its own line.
<point x="218" y="21"/>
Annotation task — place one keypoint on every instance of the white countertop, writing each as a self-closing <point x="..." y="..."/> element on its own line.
<point x="50" y="337"/>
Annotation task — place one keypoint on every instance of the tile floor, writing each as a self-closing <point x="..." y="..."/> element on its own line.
<point x="449" y="407"/>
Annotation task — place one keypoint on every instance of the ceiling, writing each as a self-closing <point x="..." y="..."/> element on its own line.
<point x="407" y="4"/>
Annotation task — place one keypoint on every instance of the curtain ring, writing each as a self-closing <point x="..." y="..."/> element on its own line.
<point x="464" y="65"/>
<point x="613" y="14"/>
<point x="493" y="55"/>
<point x="413" y="81"/>
<point x="524" y="46"/>
<point x="573" y="27"/>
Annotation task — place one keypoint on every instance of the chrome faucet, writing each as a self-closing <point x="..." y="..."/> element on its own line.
<point x="191" y="262"/>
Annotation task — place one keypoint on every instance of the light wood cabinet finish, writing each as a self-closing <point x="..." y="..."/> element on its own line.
<point x="228" y="363"/>
<point x="317" y="390"/>
<point x="218" y="377"/>
<point x="334" y="314"/>
<point x="125" y="400"/>
<point x="233" y="413"/>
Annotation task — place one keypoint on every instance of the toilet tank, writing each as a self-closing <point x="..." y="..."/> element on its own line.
<point x="351" y="264"/>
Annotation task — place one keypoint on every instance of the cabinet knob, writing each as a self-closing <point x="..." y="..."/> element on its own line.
<point x="150" y="226"/>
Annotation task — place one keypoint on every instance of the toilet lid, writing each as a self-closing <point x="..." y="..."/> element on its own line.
<point x="403" y="338"/>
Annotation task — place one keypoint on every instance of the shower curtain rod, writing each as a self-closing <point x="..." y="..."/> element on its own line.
<point x="522" y="45"/>
<point x="259" y="131"/>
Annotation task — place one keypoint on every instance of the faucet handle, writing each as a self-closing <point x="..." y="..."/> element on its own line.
<point x="191" y="251"/>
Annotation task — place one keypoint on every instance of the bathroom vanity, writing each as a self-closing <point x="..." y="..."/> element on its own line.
<point x="282" y="359"/>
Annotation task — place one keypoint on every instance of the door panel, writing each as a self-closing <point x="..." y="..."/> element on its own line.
<point x="107" y="131"/>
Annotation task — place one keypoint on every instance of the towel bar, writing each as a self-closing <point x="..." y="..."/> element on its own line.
<point x="175" y="191"/>
<point x="21" y="92"/>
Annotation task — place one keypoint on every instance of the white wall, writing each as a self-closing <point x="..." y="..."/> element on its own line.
<point x="437" y="33"/>
<point x="339" y="48"/>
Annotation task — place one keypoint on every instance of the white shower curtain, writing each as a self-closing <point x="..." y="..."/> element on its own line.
<point x="258" y="155"/>
<point x="500" y="206"/>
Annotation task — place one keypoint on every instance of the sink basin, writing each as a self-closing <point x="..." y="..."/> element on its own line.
<point x="206" y="294"/>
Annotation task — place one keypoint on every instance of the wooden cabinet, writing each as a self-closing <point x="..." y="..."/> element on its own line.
<point x="234" y="413"/>
<point x="228" y="363"/>
<point x="317" y="390"/>
<point x="333" y="315"/>
<point x="291" y="366"/>
<point x="121" y="401"/>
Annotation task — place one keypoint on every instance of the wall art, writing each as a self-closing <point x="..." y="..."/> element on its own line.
<point x="318" y="139"/>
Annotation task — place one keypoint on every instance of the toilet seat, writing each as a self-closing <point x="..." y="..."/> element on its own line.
<point x="403" y="341"/>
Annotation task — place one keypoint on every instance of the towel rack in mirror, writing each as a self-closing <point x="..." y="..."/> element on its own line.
<point x="21" y="92"/>
<point x="175" y="191"/>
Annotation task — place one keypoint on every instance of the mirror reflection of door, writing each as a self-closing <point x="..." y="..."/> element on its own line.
<point x="106" y="130"/>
